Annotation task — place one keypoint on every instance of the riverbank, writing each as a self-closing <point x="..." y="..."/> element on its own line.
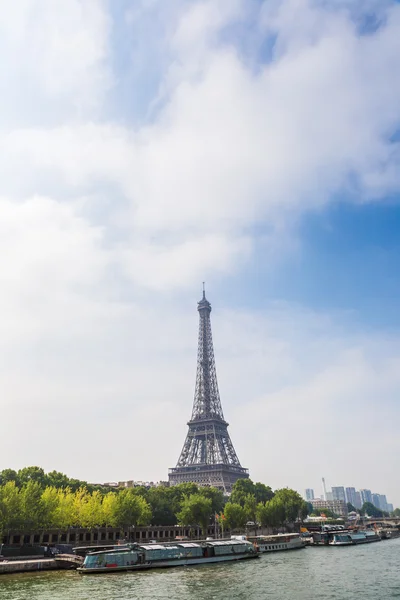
<point x="23" y="566"/>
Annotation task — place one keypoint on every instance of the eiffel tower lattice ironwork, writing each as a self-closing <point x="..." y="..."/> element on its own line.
<point x="208" y="456"/>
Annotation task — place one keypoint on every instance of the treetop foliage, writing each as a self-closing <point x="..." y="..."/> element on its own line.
<point x="31" y="499"/>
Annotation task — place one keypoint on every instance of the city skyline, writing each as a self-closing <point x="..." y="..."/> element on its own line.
<point x="351" y="495"/>
<point x="148" y="146"/>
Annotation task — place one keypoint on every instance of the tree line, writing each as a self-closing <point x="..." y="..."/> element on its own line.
<point x="30" y="500"/>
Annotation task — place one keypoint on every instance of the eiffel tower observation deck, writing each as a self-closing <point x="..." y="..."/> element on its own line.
<point x="208" y="456"/>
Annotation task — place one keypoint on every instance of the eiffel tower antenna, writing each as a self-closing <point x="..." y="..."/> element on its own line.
<point x="208" y="456"/>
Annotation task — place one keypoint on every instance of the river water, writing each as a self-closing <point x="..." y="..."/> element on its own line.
<point x="347" y="573"/>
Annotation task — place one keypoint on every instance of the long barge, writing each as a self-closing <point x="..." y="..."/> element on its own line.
<point x="278" y="543"/>
<point x="135" y="557"/>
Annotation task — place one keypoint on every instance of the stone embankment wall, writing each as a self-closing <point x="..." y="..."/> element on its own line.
<point x="100" y="536"/>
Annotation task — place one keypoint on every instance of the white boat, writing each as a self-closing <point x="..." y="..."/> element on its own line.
<point x="341" y="539"/>
<point x="135" y="557"/>
<point x="278" y="543"/>
<point x="354" y="538"/>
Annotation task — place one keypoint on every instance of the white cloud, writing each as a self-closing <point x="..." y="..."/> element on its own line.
<point x="102" y="222"/>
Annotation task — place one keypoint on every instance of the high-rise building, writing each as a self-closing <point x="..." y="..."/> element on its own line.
<point x="208" y="456"/>
<point x="390" y="507"/>
<point x="376" y="501"/>
<point x="309" y="494"/>
<point x="329" y="496"/>
<point x="351" y="495"/>
<point x="357" y="500"/>
<point x="383" y="504"/>
<point x="338" y="493"/>
<point x="366" y="496"/>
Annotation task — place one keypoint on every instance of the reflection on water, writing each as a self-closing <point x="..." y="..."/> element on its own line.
<point x="348" y="573"/>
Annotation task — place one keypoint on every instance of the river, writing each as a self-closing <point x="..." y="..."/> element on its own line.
<point x="348" y="573"/>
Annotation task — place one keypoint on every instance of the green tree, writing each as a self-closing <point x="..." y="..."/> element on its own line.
<point x="317" y="512"/>
<point x="262" y="492"/>
<point x="250" y="509"/>
<point x="275" y="512"/>
<point x="91" y="513"/>
<point x="132" y="509"/>
<point x="161" y="500"/>
<point x="57" y="479"/>
<point x="32" y="507"/>
<point x="196" y="509"/>
<point x="235" y="516"/>
<point x="35" y="474"/>
<point x="265" y="515"/>
<point x="7" y="475"/>
<point x="396" y="512"/>
<point x="293" y="504"/>
<point x="51" y="506"/>
<point x="369" y="509"/>
<point x="351" y="508"/>
<point x="110" y="509"/>
<point x="216" y="497"/>
<point x="67" y="514"/>
<point x="240" y="490"/>
<point x="10" y="503"/>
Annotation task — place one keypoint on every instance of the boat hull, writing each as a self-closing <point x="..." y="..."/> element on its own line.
<point x="164" y="564"/>
<point x="281" y="547"/>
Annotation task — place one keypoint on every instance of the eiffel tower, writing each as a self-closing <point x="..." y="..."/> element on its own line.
<point x="208" y="456"/>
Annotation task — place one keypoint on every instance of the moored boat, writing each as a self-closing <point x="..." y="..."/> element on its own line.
<point x="278" y="543"/>
<point x="135" y="557"/>
<point x="354" y="538"/>
<point x="341" y="539"/>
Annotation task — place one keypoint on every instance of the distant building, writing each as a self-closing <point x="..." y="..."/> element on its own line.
<point x="338" y="493"/>
<point x="376" y="500"/>
<point x="383" y="504"/>
<point x="357" y="500"/>
<point x="309" y="494"/>
<point x="366" y="496"/>
<point x="329" y="496"/>
<point x="351" y="496"/>
<point x="390" y="507"/>
<point x="339" y="507"/>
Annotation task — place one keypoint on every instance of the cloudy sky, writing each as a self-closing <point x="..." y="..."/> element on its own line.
<point x="146" y="146"/>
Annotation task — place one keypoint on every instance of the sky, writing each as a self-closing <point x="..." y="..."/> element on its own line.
<point x="146" y="147"/>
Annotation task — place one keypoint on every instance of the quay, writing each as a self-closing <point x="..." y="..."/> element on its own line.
<point x="62" y="561"/>
<point x="22" y="566"/>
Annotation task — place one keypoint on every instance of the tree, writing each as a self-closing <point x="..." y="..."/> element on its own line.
<point x="57" y="479"/>
<point x="35" y="474"/>
<point x="351" y="508"/>
<point x="293" y="504"/>
<point x="110" y="509"/>
<point x="10" y="503"/>
<point x="196" y="510"/>
<point x="266" y="515"/>
<point x="32" y="507"/>
<point x="396" y="512"/>
<point x="161" y="500"/>
<point x="7" y="475"/>
<point x="250" y="509"/>
<point x="91" y="513"/>
<point x="262" y="492"/>
<point x="216" y="497"/>
<point x="235" y="516"/>
<point x="132" y="509"/>
<point x="317" y="512"/>
<point x="369" y="509"/>
<point x="276" y="514"/>
<point x="240" y="490"/>
<point x="51" y="505"/>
